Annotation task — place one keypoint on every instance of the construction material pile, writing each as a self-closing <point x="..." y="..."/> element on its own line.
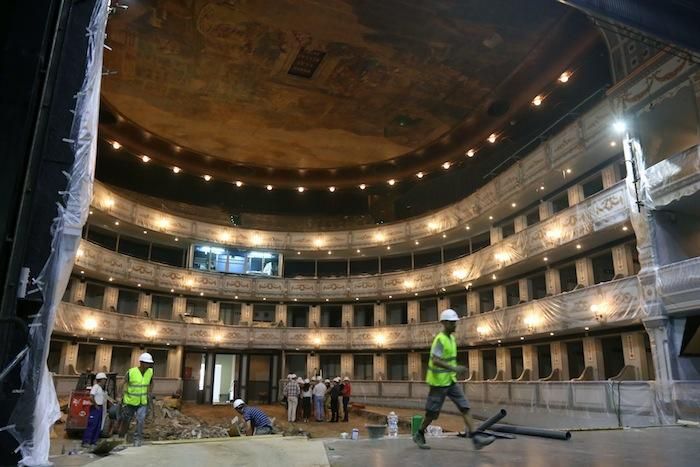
<point x="168" y="423"/>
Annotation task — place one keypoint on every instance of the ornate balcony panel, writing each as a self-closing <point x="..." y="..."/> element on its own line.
<point x="612" y="303"/>
<point x="674" y="178"/>
<point x="678" y="286"/>
<point x="515" y="181"/>
<point x="606" y="209"/>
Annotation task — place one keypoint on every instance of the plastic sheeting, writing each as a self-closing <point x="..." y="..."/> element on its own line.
<point x="38" y="401"/>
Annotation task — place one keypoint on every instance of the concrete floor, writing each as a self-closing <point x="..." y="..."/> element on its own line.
<point x="634" y="447"/>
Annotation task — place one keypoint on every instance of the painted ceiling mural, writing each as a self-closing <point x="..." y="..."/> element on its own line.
<point x="314" y="84"/>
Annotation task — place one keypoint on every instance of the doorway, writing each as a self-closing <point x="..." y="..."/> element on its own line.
<point x="225" y="386"/>
<point x="259" y="386"/>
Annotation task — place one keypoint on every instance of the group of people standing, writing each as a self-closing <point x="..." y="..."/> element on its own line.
<point x="324" y="395"/>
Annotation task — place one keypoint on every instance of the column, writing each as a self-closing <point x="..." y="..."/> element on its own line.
<point x="610" y="175"/>
<point x="135" y="354"/>
<point x="175" y="361"/>
<point x="593" y="357"/>
<point x="473" y="304"/>
<point x="661" y="345"/>
<point x="499" y="297"/>
<point x="313" y="364"/>
<point x="525" y="290"/>
<point x="347" y="362"/>
<point x="623" y="260"/>
<point x="546" y="210"/>
<point x="379" y="366"/>
<point x="635" y="352"/>
<point x="443" y="303"/>
<point x="553" y="281"/>
<point x="496" y="234"/>
<point x="520" y="223"/>
<point x="476" y="364"/>
<point x="77" y="291"/>
<point x="414" y="367"/>
<point x="280" y="314"/>
<point x="530" y="361"/>
<point x="575" y="194"/>
<point x="413" y="312"/>
<point x="110" y="299"/>
<point x="246" y="314"/>
<point x="560" y="360"/>
<point x="584" y="271"/>
<point x="179" y="307"/>
<point x="347" y="314"/>
<point x="69" y="357"/>
<point x="314" y="316"/>
<point x="103" y="358"/>
<point x="144" y="305"/>
<point x="503" y="363"/>
<point x="379" y="314"/>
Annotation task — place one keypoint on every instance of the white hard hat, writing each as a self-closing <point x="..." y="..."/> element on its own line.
<point x="336" y="379"/>
<point x="327" y="381"/>
<point x="289" y="376"/>
<point x="300" y="380"/>
<point x="146" y="358"/>
<point x="237" y="403"/>
<point x="449" y="315"/>
<point x="101" y="376"/>
<point x="346" y="379"/>
<point x="294" y="376"/>
<point x="306" y="381"/>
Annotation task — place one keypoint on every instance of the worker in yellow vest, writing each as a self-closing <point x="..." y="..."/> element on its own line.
<point x="442" y="379"/>
<point x="136" y="389"/>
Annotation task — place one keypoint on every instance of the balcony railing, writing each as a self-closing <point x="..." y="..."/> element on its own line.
<point x="612" y="303"/>
<point x="674" y="178"/>
<point x="597" y="213"/>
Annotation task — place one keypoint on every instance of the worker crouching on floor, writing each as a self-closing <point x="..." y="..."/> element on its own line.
<point x="442" y="379"/>
<point x="97" y="405"/>
<point x="258" y="423"/>
<point x="136" y="389"/>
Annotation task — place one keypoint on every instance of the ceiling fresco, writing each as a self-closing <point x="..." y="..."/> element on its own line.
<point x="314" y="84"/>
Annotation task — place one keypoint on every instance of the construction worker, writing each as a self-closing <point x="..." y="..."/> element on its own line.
<point x="97" y="404"/>
<point x="319" y="393"/>
<point x="291" y="392"/>
<point x="258" y="423"/>
<point x="442" y="379"/>
<point x="334" y="396"/>
<point x="346" y="391"/>
<point x="136" y="390"/>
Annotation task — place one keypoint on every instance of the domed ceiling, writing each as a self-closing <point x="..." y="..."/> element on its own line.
<point x="314" y="84"/>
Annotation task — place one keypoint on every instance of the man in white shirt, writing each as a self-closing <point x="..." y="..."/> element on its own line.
<point x="319" y="393"/>
<point x="97" y="401"/>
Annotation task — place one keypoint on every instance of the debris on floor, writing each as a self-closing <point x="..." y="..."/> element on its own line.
<point x="168" y="423"/>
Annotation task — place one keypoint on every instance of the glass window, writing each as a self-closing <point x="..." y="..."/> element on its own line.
<point x="593" y="185"/>
<point x="486" y="301"/>
<point x="512" y="294"/>
<point x="428" y="310"/>
<point x="568" y="278"/>
<point x="397" y="313"/>
<point x="459" y="304"/>
<point x="128" y="302"/>
<point x="264" y="312"/>
<point x="330" y="365"/>
<point x="235" y="261"/>
<point x="94" y="295"/>
<point x="161" y="307"/>
<point x="196" y="308"/>
<point x="363" y="367"/>
<point x="397" y="367"/>
<point x="331" y="316"/>
<point x="560" y="202"/>
<point x="603" y="267"/>
<point x="297" y="316"/>
<point x="230" y="313"/>
<point x="363" y="315"/>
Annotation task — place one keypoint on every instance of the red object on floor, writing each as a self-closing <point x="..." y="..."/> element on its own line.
<point x="78" y="410"/>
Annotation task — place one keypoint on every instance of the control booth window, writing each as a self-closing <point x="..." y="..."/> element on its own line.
<point x="236" y="261"/>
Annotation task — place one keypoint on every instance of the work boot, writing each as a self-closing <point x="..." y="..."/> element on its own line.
<point x="481" y="440"/>
<point x="419" y="439"/>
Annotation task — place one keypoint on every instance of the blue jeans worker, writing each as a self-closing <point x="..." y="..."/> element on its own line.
<point x="97" y="403"/>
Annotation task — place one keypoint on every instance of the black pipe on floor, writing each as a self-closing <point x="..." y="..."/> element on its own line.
<point x="530" y="431"/>
<point x="490" y="421"/>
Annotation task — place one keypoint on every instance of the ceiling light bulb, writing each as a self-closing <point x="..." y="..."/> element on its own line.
<point x="298" y="252"/>
<point x="513" y="205"/>
<point x="446" y="165"/>
<point x="176" y="170"/>
<point x="493" y="276"/>
<point x="116" y="145"/>
<point x="358" y="250"/>
<point x="468" y="228"/>
<point x="145" y="232"/>
<point x="420" y="174"/>
<point x="145" y="158"/>
<point x="116" y="222"/>
<point x="537" y="101"/>
<point x="331" y="189"/>
<point x="568" y="171"/>
<point x="471" y="153"/>
<point x="239" y="183"/>
<point x="417" y="242"/>
<point x="541" y="187"/>
<point x="269" y="187"/>
<point x="564" y="77"/>
<point x="546" y="259"/>
<point x="300" y="189"/>
<point x="619" y="126"/>
<point x="444" y="235"/>
<point x="492" y="138"/>
<point x="177" y="239"/>
<point x="388" y="248"/>
<point x="207" y="178"/>
<point x="624" y="228"/>
<point x="490" y="218"/>
<point x="330" y="252"/>
<point x="391" y="182"/>
<point x="363" y="186"/>
<point x="613" y="144"/>
<point x="578" y="247"/>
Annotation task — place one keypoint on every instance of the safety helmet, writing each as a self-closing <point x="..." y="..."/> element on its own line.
<point x="346" y="379"/>
<point x="300" y="380"/>
<point x="327" y="381"/>
<point x="237" y="403"/>
<point x="306" y="381"/>
<point x="100" y="376"/>
<point x="449" y="315"/>
<point x="289" y="376"/>
<point x="336" y="379"/>
<point x="146" y="358"/>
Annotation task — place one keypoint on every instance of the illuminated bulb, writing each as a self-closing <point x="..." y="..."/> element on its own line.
<point x="391" y="182"/>
<point x="537" y="101"/>
<point x="300" y="189"/>
<point x="551" y="333"/>
<point x="586" y="328"/>
<point x="111" y="279"/>
<point x="298" y="252"/>
<point x="295" y="299"/>
<point x="235" y="297"/>
<point x="145" y="232"/>
<point x="619" y="126"/>
<point x="318" y="243"/>
<point x="493" y="276"/>
<point x="388" y="248"/>
<point x="379" y="237"/>
<point x="201" y="294"/>
<point x="546" y="259"/>
<point x="417" y="242"/>
<point x="444" y="235"/>
<point x="415" y="294"/>
<point x="541" y="187"/>
<point x="116" y="145"/>
<point x="177" y="239"/>
<point x="145" y="158"/>
<point x="264" y="298"/>
<point x="225" y="237"/>
<point x="522" y="338"/>
<point x="391" y="296"/>
<point x="613" y="144"/>
<point x="109" y="203"/>
<point x="420" y="174"/>
<point x="163" y="223"/>
<point x="116" y="222"/>
<point x="82" y="272"/>
<point x="358" y="250"/>
<point x="331" y="189"/>
<point x="482" y="330"/>
<point x="357" y="298"/>
<point x="512" y="205"/>
<point x="239" y="183"/>
<point x="172" y="290"/>
<point x="490" y="218"/>
<point x="492" y="138"/>
<point x="176" y="170"/>
<point x="256" y="239"/>
<point x="330" y="252"/>
<point x="446" y="165"/>
<point x="471" y="153"/>
<point x="624" y="228"/>
<point x="363" y="186"/>
<point x="568" y="171"/>
<point x="578" y="246"/>
<point x="138" y="285"/>
<point x="564" y="77"/>
<point x="91" y="213"/>
<point x="269" y="187"/>
<point x="460" y="274"/>
<point x="206" y="178"/>
<point x="468" y="228"/>
<point x="90" y="324"/>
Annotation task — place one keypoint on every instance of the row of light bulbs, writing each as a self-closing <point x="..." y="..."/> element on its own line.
<point x="492" y="138"/>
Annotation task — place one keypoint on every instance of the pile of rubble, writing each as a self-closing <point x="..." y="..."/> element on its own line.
<point x="168" y="423"/>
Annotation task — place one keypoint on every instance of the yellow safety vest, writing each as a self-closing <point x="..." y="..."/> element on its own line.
<point x="137" y="386"/>
<point x="437" y="376"/>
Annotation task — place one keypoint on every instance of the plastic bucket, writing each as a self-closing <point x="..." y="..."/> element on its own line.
<point x="416" y="422"/>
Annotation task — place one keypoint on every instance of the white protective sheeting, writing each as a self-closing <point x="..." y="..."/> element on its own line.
<point x="38" y="401"/>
